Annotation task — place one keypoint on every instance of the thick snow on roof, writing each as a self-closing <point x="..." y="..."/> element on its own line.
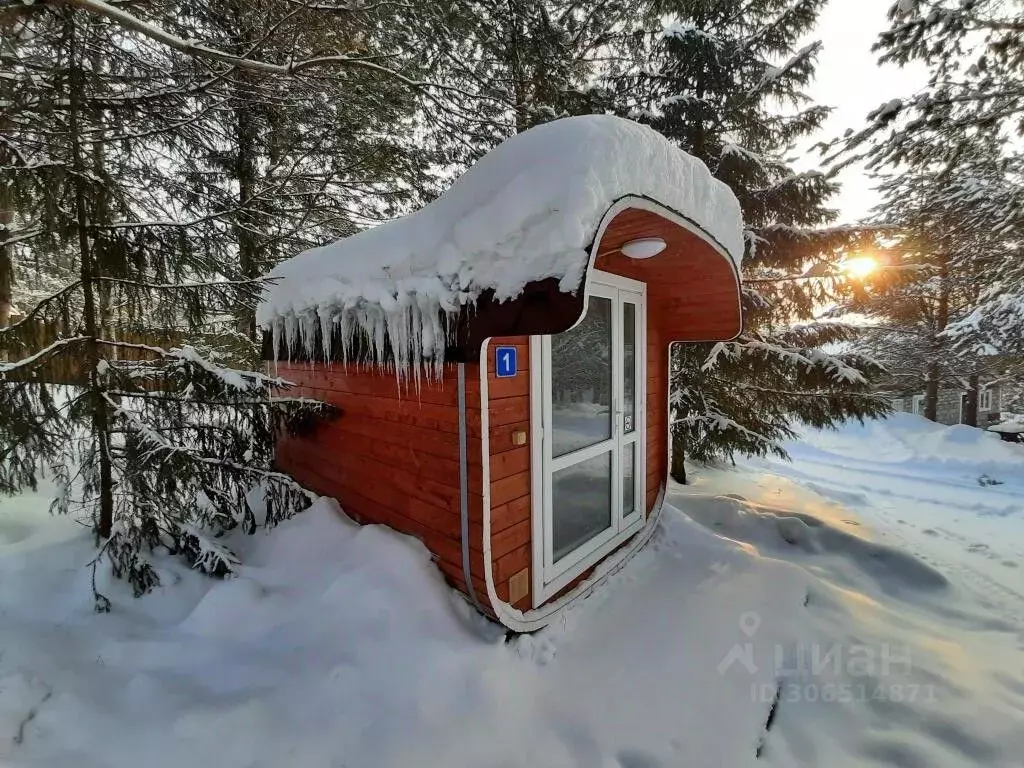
<point x="526" y="211"/>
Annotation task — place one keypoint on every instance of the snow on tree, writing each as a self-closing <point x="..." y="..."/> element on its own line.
<point x="157" y="445"/>
<point x="289" y="162"/>
<point x="513" y="64"/>
<point x="725" y="81"/>
<point x="975" y="53"/>
<point x="953" y="183"/>
<point x="936" y="305"/>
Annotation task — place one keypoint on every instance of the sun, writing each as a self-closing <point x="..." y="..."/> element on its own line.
<point x="860" y="266"/>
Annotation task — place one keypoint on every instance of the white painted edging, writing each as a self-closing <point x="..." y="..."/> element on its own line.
<point x="537" y="618"/>
<point x="646" y="204"/>
<point x="546" y="580"/>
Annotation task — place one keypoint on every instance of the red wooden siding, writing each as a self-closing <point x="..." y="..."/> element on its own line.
<point x="508" y="404"/>
<point x="657" y="412"/>
<point x="692" y="292"/>
<point x="511" y="501"/>
<point x="392" y="456"/>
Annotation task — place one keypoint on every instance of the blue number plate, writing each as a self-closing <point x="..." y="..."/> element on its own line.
<point x="505" y="362"/>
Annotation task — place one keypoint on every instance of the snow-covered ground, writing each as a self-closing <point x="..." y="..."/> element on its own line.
<point x="876" y="583"/>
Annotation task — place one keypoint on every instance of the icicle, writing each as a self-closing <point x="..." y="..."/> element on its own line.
<point x="364" y="330"/>
<point x="345" y="331"/>
<point x="432" y="336"/>
<point x="444" y="325"/>
<point x="326" y="331"/>
<point x="379" y="324"/>
<point x="407" y="334"/>
<point x="416" y="340"/>
<point x="426" y="334"/>
<point x="307" y="333"/>
<point x="291" y="332"/>
<point x="276" y="329"/>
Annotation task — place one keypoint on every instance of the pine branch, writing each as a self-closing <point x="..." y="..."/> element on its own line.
<point x="18" y="236"/>
<point x="719" y="422"/>
<point x="32" y="361"/>
<point x="161" y="444"/>
<point x="40" y="307"/>
<point x="201" y="50"/>
<point x="356" y="6"/>
<point x="270" y="402"/>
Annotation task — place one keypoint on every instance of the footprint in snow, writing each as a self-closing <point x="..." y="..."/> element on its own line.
<point x="1009" y="564"/>
<point x="930" y="532"/>
<point x="633" y="758"/>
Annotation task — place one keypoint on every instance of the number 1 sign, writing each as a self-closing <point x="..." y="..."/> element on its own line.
<point x="505" y="362"/>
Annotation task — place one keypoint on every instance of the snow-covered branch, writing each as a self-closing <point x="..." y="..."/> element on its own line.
<point x="27" y="363"/>
<point x="39" y="308"/>
<point x="16" y="236"/>
<point x="160" y="443"/>
<point x="202" y="50"/>
<point x="810" y="358"/>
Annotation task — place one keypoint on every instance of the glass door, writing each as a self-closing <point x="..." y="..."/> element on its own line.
<point x="593" y="430"/>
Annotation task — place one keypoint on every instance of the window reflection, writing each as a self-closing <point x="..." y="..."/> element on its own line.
<point x="629" y="367"/>
<point x="581" y="381"/>
<point x="582" y="503"/>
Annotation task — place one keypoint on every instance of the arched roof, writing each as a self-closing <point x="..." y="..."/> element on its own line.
<point x="521" y="222"/>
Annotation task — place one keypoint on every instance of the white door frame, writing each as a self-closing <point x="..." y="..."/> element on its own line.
<point x="550" y="577"/>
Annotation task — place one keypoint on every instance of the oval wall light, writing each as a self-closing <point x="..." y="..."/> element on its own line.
<point x="644" y="248"/>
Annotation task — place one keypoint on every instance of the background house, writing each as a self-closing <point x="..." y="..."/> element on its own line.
<point x="952" y="404"/>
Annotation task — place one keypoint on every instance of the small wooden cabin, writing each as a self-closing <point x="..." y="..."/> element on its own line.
<point x="527" y="447"/>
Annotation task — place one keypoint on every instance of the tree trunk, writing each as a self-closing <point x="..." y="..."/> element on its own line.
<point x="970" y="409"/>
<point x="100" y="415"/>
<point x="246" y="175"/>
<point x="931" y="391"/>
<point x="677" y="467"/>
<point x="6" y="263"/>
<point x="6" y="259"/>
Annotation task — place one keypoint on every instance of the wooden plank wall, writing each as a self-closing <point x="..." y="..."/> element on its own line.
<point x="508" y="402"/>
<point x="511" y="502"/>
<point x="690" y="286"/>
<point x="392" y="456"/>
<point x="657" y="411"/>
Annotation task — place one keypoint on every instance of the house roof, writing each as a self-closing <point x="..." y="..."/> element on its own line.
<point x="525" y="214"/>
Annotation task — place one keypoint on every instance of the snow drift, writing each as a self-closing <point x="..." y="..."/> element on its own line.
<point x="905" y="438"/>
<point x="340" y="645"/>
<point x="527" y="211"/>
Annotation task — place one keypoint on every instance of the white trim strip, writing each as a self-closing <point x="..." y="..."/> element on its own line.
<point x="464" y="489"/>
<point x="645" y="204"/>
<point x="541" y="616"/>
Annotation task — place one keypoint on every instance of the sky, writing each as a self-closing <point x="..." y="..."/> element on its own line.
<point x="850" y="80"/>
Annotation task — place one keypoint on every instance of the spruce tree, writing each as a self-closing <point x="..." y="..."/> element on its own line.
<point x="726" y="82"/>
<point x="954" y="137"/>
<point x="513" y="64"/>
<point x="974" y="52"/>
<point x="288" y="163"/>
<point x="930" y="325"/>
<point x="156" y="443"/>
